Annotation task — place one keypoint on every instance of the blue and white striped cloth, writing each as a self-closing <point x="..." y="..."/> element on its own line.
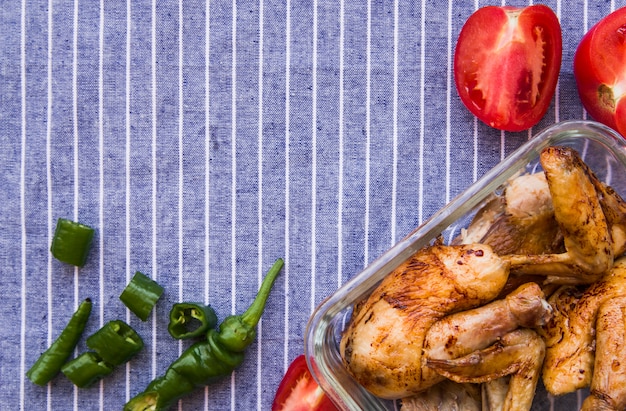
<point x="203" y="140"/>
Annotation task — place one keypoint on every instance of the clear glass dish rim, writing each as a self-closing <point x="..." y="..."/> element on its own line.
<point x="319" y="330"/>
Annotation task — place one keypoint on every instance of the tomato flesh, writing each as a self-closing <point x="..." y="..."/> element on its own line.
<point x="506" y="64"/>
<point x="298" y="391"/>
<point x="600" y="70"/>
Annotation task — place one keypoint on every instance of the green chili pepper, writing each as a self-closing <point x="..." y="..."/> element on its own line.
<point x="238" y="331"/>
<point x="141" y="294"/>
<point x="190" y="320"/>
<point x="71" y="242"/>
<point x="210" y="359"/>
<point x="116" y="342"/>
<point x="86" y="369"/>
<point x="50" y="362"/>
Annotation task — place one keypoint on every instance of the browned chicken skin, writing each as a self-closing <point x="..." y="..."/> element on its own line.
<point x="460" y="334"/>
<point x="521" y="221"/>
<point x="489" y="336"/>
<point x="577" y="208"/>
<point x="445" y="396"/>
<point x="518" y="354"/>
<point x="570" y="336"/>
<point x="614" y="208"/>
<point x="608" y="386"/>
<point x="382" y="345"/>
<point x="494" y="392"/>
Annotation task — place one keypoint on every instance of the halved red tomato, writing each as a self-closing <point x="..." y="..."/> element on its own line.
<point x="600" y="71"/>
<point x="506" y="64"/>
<point x="298" y="391"/>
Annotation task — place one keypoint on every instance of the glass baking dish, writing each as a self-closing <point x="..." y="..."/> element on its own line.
<point x="602" y="149"/>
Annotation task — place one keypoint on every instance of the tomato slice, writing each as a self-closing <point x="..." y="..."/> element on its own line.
<point x="600" y="70"/>
<point x="298" y="391"/>
<point x="506" y="64"/>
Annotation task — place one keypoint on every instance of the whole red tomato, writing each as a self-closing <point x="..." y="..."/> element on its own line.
<point x="298" y="391"/>
<point x="507" y="63"/>
<point x="600" y="70"/>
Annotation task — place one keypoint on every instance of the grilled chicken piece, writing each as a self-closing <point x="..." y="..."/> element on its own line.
<point x="462" y="333"/>
<point x="445" y="396"/>
<point x="528" y="225"/>
<point x="614" y="208"/>
<point x="492" y="209"/>
<point x="519" y="354"/>
<point x="520" y="221"/>
<point x="493" y="393"/>
<point x="608" y="385"/>
<point x="577" y="208"/>
<point x="382" y="345"/>
<point x="570" y="335"/>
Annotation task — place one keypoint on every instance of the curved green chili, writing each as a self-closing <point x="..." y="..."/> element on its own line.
<point x="190" y="320"/>
<point x="210" y="359"/>
<point x="50" y="362"/>
<point x="238" y="331"/>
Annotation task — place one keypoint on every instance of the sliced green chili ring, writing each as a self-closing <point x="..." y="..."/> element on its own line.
<point x="190" y="320"/>
<point x="86" y="369"/>
<point x="50" y="362"/>
<point x="141" y="294"/>
<point x="116" y="342"/>
<point x="71" y="242"/>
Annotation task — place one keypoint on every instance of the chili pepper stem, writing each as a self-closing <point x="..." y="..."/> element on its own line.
<point x="253" y="314"/>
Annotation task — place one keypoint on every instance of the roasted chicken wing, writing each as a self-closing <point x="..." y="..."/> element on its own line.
<point x="519" y="354"/>
<point x="577" y="209"/>
<point x="614" y="208"/>
<point x="570" y="335"/>
<point x="608" y="385"/>
<point x="520" y="221"/>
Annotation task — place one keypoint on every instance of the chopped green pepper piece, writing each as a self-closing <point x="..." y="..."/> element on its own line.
<point x="141" y="294"/>
<point x="86" y="369"/>
<point x="116" y="342"/>
<point x="50" y="362"/>
<point x="189" y="320"/>
<point x="71" y="242"/>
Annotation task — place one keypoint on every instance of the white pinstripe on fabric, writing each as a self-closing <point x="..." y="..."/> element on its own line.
<point x="153" y="85"/>
<point x="23" y="265"/>
<point x="341" y="137"/>
<point x="368" y="131"/>
<point x="314" y="156"/>
<point x="233" y="190"/>
<point x="127" y="142"/>
<point x="49" y="185"/>
<point x="259" y="272"/>
<point x="287" y="184"/>
<point x="207" y="148"/>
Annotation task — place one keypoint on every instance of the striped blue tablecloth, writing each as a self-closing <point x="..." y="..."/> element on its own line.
<point x="203" y="140"/>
